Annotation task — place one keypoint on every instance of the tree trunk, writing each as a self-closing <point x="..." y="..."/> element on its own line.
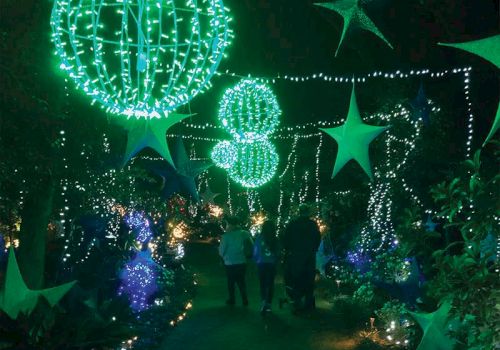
<point x="33" y="235"/>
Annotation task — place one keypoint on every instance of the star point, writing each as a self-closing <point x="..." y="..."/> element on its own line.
<point x="16" y="297"/>
<point x="489" y="49"/>
<point x="179" y="178"/>
<point x="354" y="16"/>
<point x="434" y="327"/>
<point x="150" y="133"/>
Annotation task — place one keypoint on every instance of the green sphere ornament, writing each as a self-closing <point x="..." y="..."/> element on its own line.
<point x="224" y="154"/>
<point x="257" y="163"/>
<point x="249" y="110"/>
<point x="140" y="58"/>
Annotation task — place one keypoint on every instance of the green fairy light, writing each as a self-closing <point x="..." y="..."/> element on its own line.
<point x="141" y="58"/>
<point x="250" y="113"/>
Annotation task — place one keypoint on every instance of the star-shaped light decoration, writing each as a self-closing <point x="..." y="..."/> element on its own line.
<point x="434" y="326"/>
<point x="489" y="49"/>
<point x="420" y="106"/>
<point x="354" y="16"/>
<point x="179" y="178"/>
<point x="16" y="297"/>
<point x="353" y="139"/>
<point x="151" y="133"/>
<point x="430" y="226"/>
<point x="208" y="196"/>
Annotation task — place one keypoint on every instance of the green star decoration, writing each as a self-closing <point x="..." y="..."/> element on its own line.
<point x="151" y="133"/>
<point x="434" y="328"/>
<point x="208" y="196"/>
<point x="489" y="49"/>
<point x="17" y="298"/>
<point x="354" y="16"/>
<point x="353" y="139"/>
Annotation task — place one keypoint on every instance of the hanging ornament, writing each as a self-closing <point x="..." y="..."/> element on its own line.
<point x="354" y="138"/>
<point x="354" y="15"/>
<point x="489" y="49"/>
<point x="224" y="155"/>
<point x="250" y="113"/>
<point x="16" y="297"/>
<point x="257" y="163"/>
<point x="140" y="58"/>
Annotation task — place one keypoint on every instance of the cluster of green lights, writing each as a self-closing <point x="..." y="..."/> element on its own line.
<point x="224" y="154"/>
<point x="250" y="113"/>
<point x="141" y="58"/>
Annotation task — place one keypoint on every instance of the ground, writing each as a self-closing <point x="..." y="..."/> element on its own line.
<point x="213" y="325"/>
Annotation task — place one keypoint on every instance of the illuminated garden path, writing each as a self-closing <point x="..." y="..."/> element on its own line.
<point x="213" y="325"/>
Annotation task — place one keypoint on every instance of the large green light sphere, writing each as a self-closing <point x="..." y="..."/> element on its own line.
<point x="249" y="110"/>
<point x="257" y="163"/>
<point x="140" y="58"/>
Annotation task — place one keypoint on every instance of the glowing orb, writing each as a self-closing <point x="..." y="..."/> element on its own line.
<point x="257" y="163"/>
<point x="224" y="154"/>
<point x="142" y="58"/>
<point x="249" y="110"/>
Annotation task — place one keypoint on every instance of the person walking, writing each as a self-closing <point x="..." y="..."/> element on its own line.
<point x="235" y="248"/>
<point x="301" y="240"/>
<point x="265" y="253"/>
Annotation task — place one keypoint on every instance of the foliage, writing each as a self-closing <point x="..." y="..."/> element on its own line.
<point x="365" y="294"/>
<point x="93" y="325"/>
<point x="349" y="314"/>
<point x="467" y="269"/>
<point x="398" y="327"/>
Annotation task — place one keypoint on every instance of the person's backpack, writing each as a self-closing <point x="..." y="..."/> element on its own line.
<point x="248" y="248"/>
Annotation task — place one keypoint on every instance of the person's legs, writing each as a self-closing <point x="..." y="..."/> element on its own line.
<point x="269" y="274"/>
<point x="263" y="286"/>
<point x="262" y="280"/>
<point x="231" y="280"/>
<point x="270" y="283"/>
<point x="309" y="276"/>
<point x="297" y="290"/>
<point x="240" y="280"/>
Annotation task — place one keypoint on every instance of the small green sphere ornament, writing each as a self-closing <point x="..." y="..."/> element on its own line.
<point x="250" y="113"/>
<point x="224" y="155"/>
<point x="140" y="58"/>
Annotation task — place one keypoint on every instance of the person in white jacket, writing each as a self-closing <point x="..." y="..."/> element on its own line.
<point x="235" y="248"/>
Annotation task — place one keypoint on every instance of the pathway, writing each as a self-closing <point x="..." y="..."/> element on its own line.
<point x="213" y="325"/>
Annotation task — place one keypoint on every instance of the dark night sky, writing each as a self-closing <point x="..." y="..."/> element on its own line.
<point x="297" y="38"/>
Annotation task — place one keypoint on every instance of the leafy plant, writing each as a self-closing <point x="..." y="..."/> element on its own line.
<point x="467" y="269"/>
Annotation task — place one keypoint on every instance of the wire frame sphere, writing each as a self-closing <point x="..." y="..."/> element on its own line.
<point x="224" y="154"/>
<point x="249" y="111"/>
<point x="142" y="58"/>
<point x="257" y="163"/>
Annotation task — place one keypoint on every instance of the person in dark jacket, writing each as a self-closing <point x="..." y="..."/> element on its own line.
<point x="265" y="253"/>
<point x="301" y="240"/>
